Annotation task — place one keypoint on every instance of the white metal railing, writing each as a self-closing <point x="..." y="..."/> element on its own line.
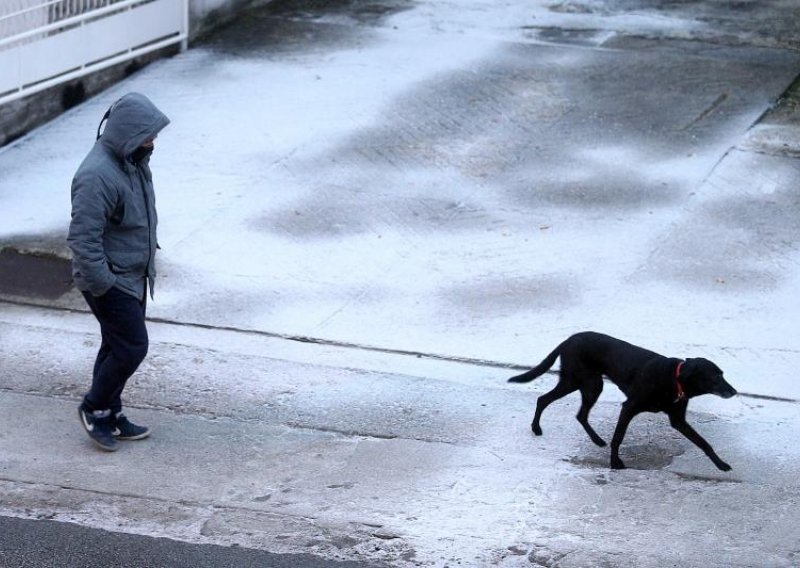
<point x="47" y="42"/>
<point x="19" y="16"/>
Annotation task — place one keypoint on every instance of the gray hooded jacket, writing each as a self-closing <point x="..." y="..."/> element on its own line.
<point x="113" y="229"/>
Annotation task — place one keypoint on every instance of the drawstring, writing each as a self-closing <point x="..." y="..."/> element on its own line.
<point x="102" y="120"/>
<point x="105" y="117"/>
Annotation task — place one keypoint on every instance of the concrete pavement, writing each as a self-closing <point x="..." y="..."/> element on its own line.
<point x="255" y="446"/>
<point x="371" y="213"/>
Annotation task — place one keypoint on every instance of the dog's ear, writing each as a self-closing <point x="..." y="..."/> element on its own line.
<point x="688" y="368"/>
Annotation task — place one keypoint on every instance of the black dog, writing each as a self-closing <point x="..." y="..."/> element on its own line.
<point x="651" y="382"/>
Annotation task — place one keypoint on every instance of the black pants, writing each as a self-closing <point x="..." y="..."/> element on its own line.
<point x="122" y="348"/>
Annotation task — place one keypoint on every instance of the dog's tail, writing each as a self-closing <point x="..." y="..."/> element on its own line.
<point x="539" y="369"/>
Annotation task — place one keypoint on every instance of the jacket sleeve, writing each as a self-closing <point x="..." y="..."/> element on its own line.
<point x="92" y="206"/>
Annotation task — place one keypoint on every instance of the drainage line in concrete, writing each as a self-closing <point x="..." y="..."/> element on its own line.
<point x="356" y="346"/>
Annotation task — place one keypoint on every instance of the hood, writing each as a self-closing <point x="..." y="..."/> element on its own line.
<point x="131" y="121"/>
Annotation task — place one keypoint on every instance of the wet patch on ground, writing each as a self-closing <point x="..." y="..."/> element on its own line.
<point x="318" y="220"/>
<point x="725" y="244"/>
<point x="650" y="444"/>
<point x="614" y="190"/>
<point x="505" y="120"/>
<point x="362" y="11"/>
<point x="769" y="221"/>
<point x="260" y="34"/>
<point x="498" y="297"/>
<point x="706" y="478"/>
<point x="336" y="212"/>
<point x="284" y="26"/>
<point x="725" y="21"/>
<point x="641" y="457"/>
<point x="583" y="38"/>
<point x="479" y="121"/>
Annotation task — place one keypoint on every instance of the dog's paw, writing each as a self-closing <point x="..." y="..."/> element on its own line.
<point x="723" y="466"/>
<point x="536" y="429"/>
<point x="616" y="463"/>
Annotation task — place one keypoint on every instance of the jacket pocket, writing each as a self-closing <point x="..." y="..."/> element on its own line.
<point x="127" y="262"/>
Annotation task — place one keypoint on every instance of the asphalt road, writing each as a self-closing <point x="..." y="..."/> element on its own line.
<point x="48" y="544"/>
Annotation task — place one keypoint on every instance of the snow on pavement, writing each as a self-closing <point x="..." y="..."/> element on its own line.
<point x="467" y="179"/>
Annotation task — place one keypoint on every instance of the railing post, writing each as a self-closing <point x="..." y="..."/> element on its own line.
<point x="185" y="42"/>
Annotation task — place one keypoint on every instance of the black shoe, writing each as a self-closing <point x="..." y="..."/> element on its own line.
<point x="98" y="425"/>
<point x="124" y="429"/>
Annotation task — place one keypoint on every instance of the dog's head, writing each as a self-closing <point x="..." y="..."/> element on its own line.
<point x="701" y="376"/>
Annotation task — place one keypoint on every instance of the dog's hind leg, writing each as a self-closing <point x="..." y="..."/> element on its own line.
<point x="590" y="392"/>
<point x="562" y="389"/>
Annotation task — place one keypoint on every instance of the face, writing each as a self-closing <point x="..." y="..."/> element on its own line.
<point x="143" y="151"/>
<point x="708" y="378"/>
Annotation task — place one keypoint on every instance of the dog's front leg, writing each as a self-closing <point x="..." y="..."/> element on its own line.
<point x="678" y="421"/>
<point x="625" y="416"/>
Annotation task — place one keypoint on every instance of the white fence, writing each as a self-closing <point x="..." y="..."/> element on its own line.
<point x="47" y="42"/>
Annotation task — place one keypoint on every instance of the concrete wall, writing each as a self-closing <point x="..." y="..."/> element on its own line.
<point x="20" y="117"/>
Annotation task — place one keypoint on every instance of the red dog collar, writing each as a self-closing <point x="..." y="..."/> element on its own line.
<point x="681" y="394"/>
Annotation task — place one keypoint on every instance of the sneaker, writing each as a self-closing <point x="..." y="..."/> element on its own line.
<point x="98" y="425"/>
<point x="124" y="429"/>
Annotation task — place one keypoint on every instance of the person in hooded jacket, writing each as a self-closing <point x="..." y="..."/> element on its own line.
<point x="112" y="235"/>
